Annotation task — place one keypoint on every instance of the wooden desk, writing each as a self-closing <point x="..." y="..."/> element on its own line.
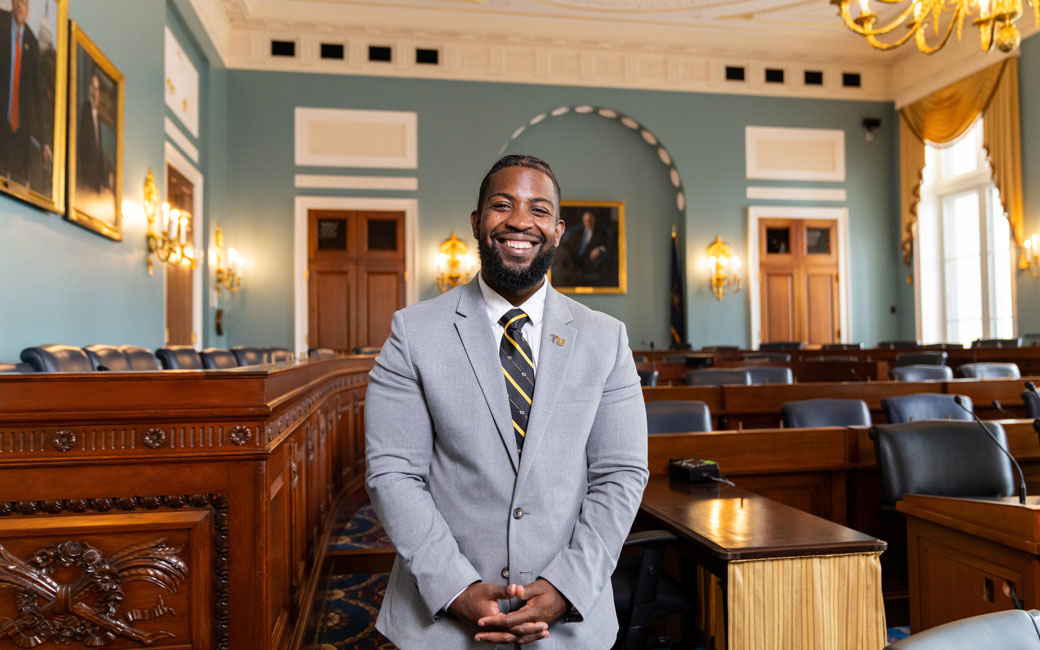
<point x="229" y="479"/>
<point x="970" y="556"/>
<point x="788" y="579"/>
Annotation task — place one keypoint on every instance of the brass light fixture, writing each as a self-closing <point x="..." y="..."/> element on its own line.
<point x="455" y="264"/>
<point x="169" y="244"/>
<point x="1030" y="260"/>
<point x="229" y="266"/>
<point x="724" y="267"/>
<point x="995" y="21"/>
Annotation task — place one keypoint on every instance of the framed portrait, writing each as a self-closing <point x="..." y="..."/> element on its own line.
<point x="33" y="51"/>
<point x="95" y="176"/>
<point x="591" y="254"/>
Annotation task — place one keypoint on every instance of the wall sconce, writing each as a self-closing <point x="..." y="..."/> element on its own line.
<point x="455" y="264"/>
<point x="170" y="244"/>
<point x="724" y="267"/>
<point x="1030" y="260"/>
<point x="229" y="266"/>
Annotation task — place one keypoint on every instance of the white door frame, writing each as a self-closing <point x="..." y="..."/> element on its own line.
<point x="175" y="159"/>
<point x="759" y="212"/>
<point x="304" y="204"/>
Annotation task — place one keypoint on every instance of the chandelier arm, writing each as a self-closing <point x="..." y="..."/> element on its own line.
<point x="889" y="46"/>
<point x="896" y="22"/>
<point x="922" y="42"/>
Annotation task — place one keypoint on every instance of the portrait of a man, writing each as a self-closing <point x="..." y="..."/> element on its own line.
<point x="30" y="31"/>
<point x="95" y="138"/>
<point x="591" y="255"/>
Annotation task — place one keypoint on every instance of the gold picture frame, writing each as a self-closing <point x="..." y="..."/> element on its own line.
<point x="591" y="255"/>
<point x="32" y="156"/>
<point x="95" y="147"/>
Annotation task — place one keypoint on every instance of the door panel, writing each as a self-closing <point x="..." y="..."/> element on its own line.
<point x="331" y="305"/>
<point x="778" y="313"/>
<point x="822" y="305"/>
<point x="384" y="294"/>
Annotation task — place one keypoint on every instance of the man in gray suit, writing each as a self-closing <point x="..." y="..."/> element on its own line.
<point x="506" y="474"/>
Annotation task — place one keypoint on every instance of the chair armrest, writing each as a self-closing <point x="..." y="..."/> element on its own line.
<point x="649" y="537"/>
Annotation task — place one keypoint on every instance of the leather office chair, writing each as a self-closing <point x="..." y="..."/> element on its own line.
<point x="841" y="346"/>
<point x="769" y="375"/>
<point x="1013" y="629"/>
<point x="57" y="358"/>
<point x="647" y="377"/>
<point x="898" y="345"/>
<point x="922" y="373"/>
<point x="139" y="358"/>
<point x="924" y="358"/>
<point x="720" y="348"/>
<point x="677" y="416"/>
<point x="826" y="413"/>
<point x="106" y="357"/>
<point x="368" y="349"/>
<point x="768" y="356"/>
<point x="675" y="358"/>
<point x="179" y="357"/>
<point x="217" y="359"/>
<point x="1032" y="404"/>
<point x="989" y="371"/>
<point x="997" y="343"/>
<point x="321" y="353"/>
<point x="924" y="406"/>
<point x="247" y="356"/>
<point x="640" y="358"/>
<point x="15" y="368"/>
<point x="718" y="377"/>
<point x="831" y="357"/>
<point x="278" y="355"/>
<point x="780" y="345"/>
<point x="642" y="590"/>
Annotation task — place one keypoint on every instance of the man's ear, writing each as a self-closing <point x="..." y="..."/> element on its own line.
<point x="560" y="226"/>
<point x="474" y="222"/>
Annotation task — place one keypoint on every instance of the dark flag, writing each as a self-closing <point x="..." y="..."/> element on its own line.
<point x="677" y="300"/>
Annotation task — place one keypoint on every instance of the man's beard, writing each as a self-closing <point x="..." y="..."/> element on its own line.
<point x="499" y="276"/>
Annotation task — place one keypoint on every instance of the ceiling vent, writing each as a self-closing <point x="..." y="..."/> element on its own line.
<point x="427" y="56"/>
<point x="774" y="76"/>
<point x="283" y="48"/>
<point x="380" y="53"/>
<point x="333" y="51"/>
<point x="850" y="80"/>
<point x="813" y="78"/>
<point x="734" y="73"/>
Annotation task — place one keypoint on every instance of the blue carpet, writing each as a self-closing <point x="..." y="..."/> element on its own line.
<point x="349" y="618"/>
<point x="363" y="532"/>
<point x="896" y="633"/>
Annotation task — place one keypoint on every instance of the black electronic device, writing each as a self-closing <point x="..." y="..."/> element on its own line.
<point x="693" y="470"/>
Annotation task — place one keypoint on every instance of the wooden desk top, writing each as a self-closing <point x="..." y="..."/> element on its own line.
<point x="729" y="523"/>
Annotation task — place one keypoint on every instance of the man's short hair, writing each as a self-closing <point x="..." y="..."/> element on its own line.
<point x="517" y="160"/>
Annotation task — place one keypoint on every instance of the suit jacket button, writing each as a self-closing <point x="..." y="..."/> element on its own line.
<point x="518" y="513"/>
<point x="505" y="573"/>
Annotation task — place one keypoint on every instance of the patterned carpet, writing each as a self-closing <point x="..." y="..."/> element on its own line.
<point x="362" y="532"/>
<point x="349" y="619"/>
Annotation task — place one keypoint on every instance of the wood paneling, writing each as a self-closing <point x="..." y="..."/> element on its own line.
<point x="779" y="309"/>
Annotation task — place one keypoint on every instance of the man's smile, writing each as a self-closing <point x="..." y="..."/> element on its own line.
<point x="517" y="245"/>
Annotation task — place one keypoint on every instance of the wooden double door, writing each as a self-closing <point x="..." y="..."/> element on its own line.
<point x="800" y="280"/>
<point x="355" y="277"/>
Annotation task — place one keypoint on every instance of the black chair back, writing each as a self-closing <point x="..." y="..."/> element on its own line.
<point x="321" y="353"/>
<point x="57" y="358"/>
<point x="826" y="413"/>
<point x="106" y="357"/>
<point x="139" y="358"/>
<point x="642" y="589"/>
<point x="247" y="356"/>
<point x="1032" y="404"/>
<point x="770" y="375"/>
<point x="945" y="458"/>
<point x="675" y="358"/>
<point x="647" y="377"/>
<point x="279" y="355"/>
<point x="676" y="416"/>
<point x="768" y="356"/>
<point x="218" y="359"/>
<point x="640" y="358"/>
<point x="718" y="377"/>
<point x="721" y="348"/>
<point x="922" y="373"/>
<point x="841" y="346"/>
<point x="179" y="357"/>
<point x="990" y="371"/>
<point x="15" y="368"/>
<point x="923" y="358"/>
<point x="781" y="345"/>
<point x="898" y="345"/>
<point x="925" y="406"/>
<point x="997" y="343"/>
<point x="367" y="349"/>
<point x="1013" y="629"/>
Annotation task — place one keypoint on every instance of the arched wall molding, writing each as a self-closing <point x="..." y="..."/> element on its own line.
<point x="624" y="120"/>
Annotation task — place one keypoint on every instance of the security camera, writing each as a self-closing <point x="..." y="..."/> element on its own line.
<point x="871" y="124"/>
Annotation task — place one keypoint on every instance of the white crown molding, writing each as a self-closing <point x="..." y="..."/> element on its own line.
<point x="214" y="19"/>
<point x="762" y="193"/>
<point x="327" y="182"/>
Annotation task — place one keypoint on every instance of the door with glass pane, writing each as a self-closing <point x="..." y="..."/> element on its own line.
<point x="798" y="266"/>
<point x="355" y="277"/>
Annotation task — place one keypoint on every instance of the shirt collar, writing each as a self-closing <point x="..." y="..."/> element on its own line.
<point x="496" y="305"/>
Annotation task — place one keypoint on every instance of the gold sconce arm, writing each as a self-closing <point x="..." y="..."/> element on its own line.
<point x="229" y="266"/>
<point x="1029" y="260"/>
<point x="455" y="264"/>
<point x="724" y="268"/>
<point x="168" y="244"/>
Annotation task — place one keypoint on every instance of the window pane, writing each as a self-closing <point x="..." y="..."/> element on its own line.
<point x="962" y="265"/>
<point x="382" y="235"/>
<point x="778" y="240"/>
<point x="1000" y="273"/>
<point x="332" y="234"/>
<point x="930" y="272"/>
<point x="818" y="241"/>
<point x="963" y="156"/>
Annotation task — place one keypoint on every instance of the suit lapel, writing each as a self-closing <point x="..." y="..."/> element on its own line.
<point x="554" y="356"/>
<point x="482" y="350"/>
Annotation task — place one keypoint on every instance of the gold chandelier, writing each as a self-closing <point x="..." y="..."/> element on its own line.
<point x="996" y="22"/>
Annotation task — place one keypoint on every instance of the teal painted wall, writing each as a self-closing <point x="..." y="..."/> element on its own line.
<point x="1029" y="94"/>
<point x="64" y="284"/>
<point x="464" y="125"/>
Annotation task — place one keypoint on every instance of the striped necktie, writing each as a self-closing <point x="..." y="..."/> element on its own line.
<point x="518" y="368"/>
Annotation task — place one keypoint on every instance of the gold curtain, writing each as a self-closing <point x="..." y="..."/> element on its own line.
<point x="943" y="117"/>
<point x="1002" y="140"/>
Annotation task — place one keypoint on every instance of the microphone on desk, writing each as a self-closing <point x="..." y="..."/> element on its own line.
<point x="997" y="405"/>
<point x="852" y="371"/>
<point x="1021" y="477"/>
<point x="1031" y="387"/>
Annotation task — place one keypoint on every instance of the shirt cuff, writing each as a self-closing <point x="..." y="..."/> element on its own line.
<point x="453" y="599"/>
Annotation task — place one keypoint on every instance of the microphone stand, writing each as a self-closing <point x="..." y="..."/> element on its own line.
<point x="653" y="359"/>
<point x="1021" y="477"/>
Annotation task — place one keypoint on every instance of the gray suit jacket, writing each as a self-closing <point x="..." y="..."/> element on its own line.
<point x="456" y="500"/>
